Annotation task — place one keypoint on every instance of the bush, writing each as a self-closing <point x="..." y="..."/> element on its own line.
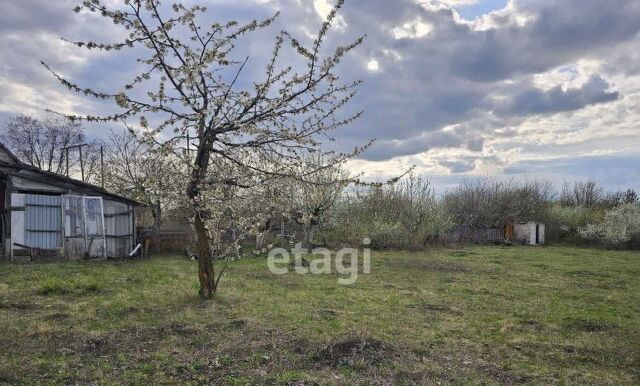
<point x="487" y="203"/>
<point x="565" y="222"/>
<point x="621" y="225"/>
<point x="406" y="215"/>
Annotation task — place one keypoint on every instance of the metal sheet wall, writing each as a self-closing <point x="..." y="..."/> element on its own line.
<point x="43" y="221"/>
<point x="118" y="221"/>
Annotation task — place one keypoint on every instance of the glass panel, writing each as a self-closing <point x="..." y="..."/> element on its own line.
<point x="84" y="226"/>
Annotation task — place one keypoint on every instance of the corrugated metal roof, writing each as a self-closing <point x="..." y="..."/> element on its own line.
<point x="95" y="190"/>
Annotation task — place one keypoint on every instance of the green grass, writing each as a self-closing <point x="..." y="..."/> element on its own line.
<point x="492" y="315"/>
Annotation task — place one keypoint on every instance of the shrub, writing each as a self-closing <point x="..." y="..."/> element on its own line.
<point x="405" y="215"/>
<point x="621" y="225"/>
<point x="488" y="203"/>
<point x="564" y="222"/>
<point x="408" y="215"/>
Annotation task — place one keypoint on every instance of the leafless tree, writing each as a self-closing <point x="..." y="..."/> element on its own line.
<point x="630" y="197"/>
<point x="44" y="144"/>
<point x="488" y="203"/>
<point x="583" y="193"/>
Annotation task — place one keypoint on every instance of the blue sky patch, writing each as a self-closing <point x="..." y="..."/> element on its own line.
<point x="482" y="7"/>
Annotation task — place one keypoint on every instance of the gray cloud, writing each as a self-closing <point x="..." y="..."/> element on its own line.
<point x="532" y="100"/>
<point x="392" y="148"/>
<point x="436" y="91"/>
<point x="35" y="15"/>
<point x="451" y="76"/>
<point x="459" y="166"/>
<point x="560" y="32"/>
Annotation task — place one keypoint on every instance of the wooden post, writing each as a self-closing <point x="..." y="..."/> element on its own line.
<point x="84" y="227"/>
<point x="145" y="250"/>
<point x="81" y="163"/>
<point x="102" y="165"/>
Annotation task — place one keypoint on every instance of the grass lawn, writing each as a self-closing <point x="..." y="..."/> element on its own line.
<point x="493" y="315"/>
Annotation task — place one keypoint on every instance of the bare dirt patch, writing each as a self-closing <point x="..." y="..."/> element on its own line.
<point x="445" y="266"/>
<point x="58" y="316"/>
<point x="461" y="253"/>
<point x="438" y="309"/>
<point x="355" y="352"/>
<point x="440" y="266"/>
<point x="327" y="314"/>
<point x="582" y="273"/>
<point x="17" y="305"/>
<point x="588" y="325"/>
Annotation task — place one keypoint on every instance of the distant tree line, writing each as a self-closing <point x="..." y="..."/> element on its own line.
<point x="329" y="208"/>
<point x="410" y="215"/>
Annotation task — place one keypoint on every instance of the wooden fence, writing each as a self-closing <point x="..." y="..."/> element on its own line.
<point x="168" y="240"/>
<point x="477" y="236"/>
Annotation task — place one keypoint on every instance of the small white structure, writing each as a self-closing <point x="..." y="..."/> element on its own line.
<point x="530" y="233"/>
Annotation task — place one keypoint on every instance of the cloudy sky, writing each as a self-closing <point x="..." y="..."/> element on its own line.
<point x="519" y="88"/>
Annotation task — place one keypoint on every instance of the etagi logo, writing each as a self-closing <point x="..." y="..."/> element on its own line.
<point x="345" y="261"/>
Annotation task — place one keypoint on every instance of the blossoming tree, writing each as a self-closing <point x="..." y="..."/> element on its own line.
<point x="239" y="137"/>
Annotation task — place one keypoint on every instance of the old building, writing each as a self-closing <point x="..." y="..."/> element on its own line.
<point x="46" y="215"/>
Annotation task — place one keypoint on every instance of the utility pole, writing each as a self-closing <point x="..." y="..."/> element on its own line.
<point x="81" y="163"/>
<point x="79" y="146"/>
<point x="102" y="165"/>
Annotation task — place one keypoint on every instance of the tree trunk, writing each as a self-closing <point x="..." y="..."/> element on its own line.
<point x="312" y="234"/>
<point x="236" y="245"/>
<point x="309" y="230"/>
<point x="261" y="237"/>
<point x="206" y="273"/>
<point x="156" y="211"/>
<point x="283" y="234"/>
